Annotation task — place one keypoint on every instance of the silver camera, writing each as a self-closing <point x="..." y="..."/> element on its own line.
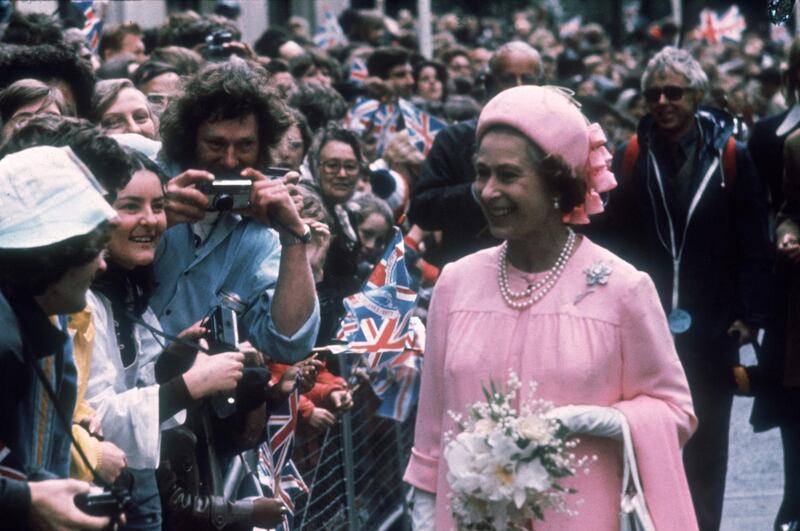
<point x="227" y="194"/>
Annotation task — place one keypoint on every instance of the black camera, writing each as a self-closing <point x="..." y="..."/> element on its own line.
<point x="227" y="194"/>
<point x="215" y="49"/>
<point x="223" y="336"/>
<point x="274" y="172"/>
<point x="111" y="503"/>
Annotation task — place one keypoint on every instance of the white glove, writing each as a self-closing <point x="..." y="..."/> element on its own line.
<point x="423" y="511"/>
<point x="601" y="421"/>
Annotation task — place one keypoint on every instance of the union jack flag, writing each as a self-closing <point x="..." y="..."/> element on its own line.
<point x="330" y="33"/>
<point x="92" y="24"/>
<point x="714" y="28"/>
<point x="422" y="127"/>
<point x="276" y="470"/>
<point x="369" y="115"/>
<point x="358" y="71"/>
<point x="397" y="383"/>
<point x="378" y="324"/>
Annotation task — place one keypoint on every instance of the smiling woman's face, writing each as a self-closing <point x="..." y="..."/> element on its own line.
<point x="142" y="221"/>
<point x="129" y="114"/>
<point x="338" y="171"/>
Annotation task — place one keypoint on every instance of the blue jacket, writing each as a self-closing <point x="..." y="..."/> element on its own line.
<point x="29" y="425"/>
<point x="240" y="256"/>
<point x="726" y="260"/>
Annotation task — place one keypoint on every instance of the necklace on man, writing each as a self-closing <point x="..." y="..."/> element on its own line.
<point x="536" y="291"/>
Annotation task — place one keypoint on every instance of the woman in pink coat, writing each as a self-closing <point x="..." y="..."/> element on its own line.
<point x="557" y="309"/>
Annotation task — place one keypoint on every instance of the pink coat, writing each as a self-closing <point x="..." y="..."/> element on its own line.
<point x="609" y="347"/>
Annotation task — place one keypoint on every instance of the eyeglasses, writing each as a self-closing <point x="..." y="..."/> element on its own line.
<point x="671" y="92"/>
<point x="335" y="166"/>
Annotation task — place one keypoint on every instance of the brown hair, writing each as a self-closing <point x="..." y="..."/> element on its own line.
<point x="106" y="93"/>
<point x="26" y="91"/>
<point x="114" y="35"/>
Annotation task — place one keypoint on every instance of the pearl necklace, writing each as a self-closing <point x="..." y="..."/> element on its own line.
<point x="536" y="291"/>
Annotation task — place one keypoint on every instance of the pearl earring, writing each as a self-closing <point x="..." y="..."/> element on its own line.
<point x="556" y="203"/>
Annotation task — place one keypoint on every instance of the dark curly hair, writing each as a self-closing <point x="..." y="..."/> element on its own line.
<point x="104" y="157"/>
<point x="319" y="104"/>
<point x="222" y="91"/>
<point x="382" y="60"/>
<point x="189" y="29"/>
<point x="31" y="271"/>
<point x="185" y="61"/>
<point x="31" y="29"/>
<point x="558" y="177"/>
<point x="48" y="62"/>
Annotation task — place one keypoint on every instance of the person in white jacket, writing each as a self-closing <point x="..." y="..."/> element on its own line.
<point x="130" y="406"/>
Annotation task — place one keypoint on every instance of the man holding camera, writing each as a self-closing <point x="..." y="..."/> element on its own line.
<point x="220" y="130"/>
<point x="52" y="231"/>
<point x="235" y="236"/>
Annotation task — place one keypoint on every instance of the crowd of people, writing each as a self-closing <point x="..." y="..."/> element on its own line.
<point x="182" y="215"/>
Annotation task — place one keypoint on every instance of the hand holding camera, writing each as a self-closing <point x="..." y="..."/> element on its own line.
<point x="214" y="374"/>
<point x="271" y="202"/>
<point x="186" y="203"/>
<point x="53" y="506"/>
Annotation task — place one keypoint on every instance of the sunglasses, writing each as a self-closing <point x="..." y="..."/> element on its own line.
<point x="671" y="92"/>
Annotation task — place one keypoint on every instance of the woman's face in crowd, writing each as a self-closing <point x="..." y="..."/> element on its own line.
<point x="288" y="153"/>
<point x="429" y="86"/>
<point x="512" y="194"/>
<point x="161" y="89"/>
<point x="129" y="114"/>
<point x="142" y="221"/>
<point x="460" y="66"/>
<point x="338" y="171"/>
<point x="373" y="232"/>
<point x="27" y="111"/>
<point x="318" y="75"/>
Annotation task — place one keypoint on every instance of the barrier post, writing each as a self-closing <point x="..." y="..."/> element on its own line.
<point x="347" y="450"/>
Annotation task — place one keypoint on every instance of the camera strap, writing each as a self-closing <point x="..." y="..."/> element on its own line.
<point x="156" y="333"/>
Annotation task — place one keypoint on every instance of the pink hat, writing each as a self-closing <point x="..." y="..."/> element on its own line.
<point x="552" y="120"/>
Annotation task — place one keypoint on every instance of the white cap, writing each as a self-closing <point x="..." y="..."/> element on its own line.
<point x="47" y="195"/>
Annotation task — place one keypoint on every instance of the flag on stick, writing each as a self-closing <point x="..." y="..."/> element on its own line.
<point x="378" y="324"/>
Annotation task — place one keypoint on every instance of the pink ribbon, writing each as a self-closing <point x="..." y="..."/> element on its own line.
<point x="598" y="177"/>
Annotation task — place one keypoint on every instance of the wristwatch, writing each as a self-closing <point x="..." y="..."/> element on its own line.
<point x="289" y="238"/>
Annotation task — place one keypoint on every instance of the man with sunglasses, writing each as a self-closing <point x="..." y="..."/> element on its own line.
<point x="689" y="210"/>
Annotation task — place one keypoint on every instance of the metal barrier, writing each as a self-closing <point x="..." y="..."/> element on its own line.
<point x="354" y="471"/>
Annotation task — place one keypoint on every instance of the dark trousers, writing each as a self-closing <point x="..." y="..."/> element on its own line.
<point x="790" y="507"/>
<point x="705" y="456"/>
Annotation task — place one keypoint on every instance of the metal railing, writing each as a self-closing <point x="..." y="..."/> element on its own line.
<point x="354" y="471"/>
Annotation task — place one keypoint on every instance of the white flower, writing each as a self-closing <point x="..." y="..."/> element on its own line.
<point x="533" y="475"/>
<point x="535" y="429"/>
<point x="461" y="453"/>
<point x="484" y="426"/>
<point x="494" y="479"/>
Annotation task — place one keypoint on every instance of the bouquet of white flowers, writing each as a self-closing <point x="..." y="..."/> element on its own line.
<point x="504" y="465"/>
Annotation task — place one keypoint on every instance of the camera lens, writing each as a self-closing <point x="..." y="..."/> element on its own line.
<point x="223" y="202"/>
